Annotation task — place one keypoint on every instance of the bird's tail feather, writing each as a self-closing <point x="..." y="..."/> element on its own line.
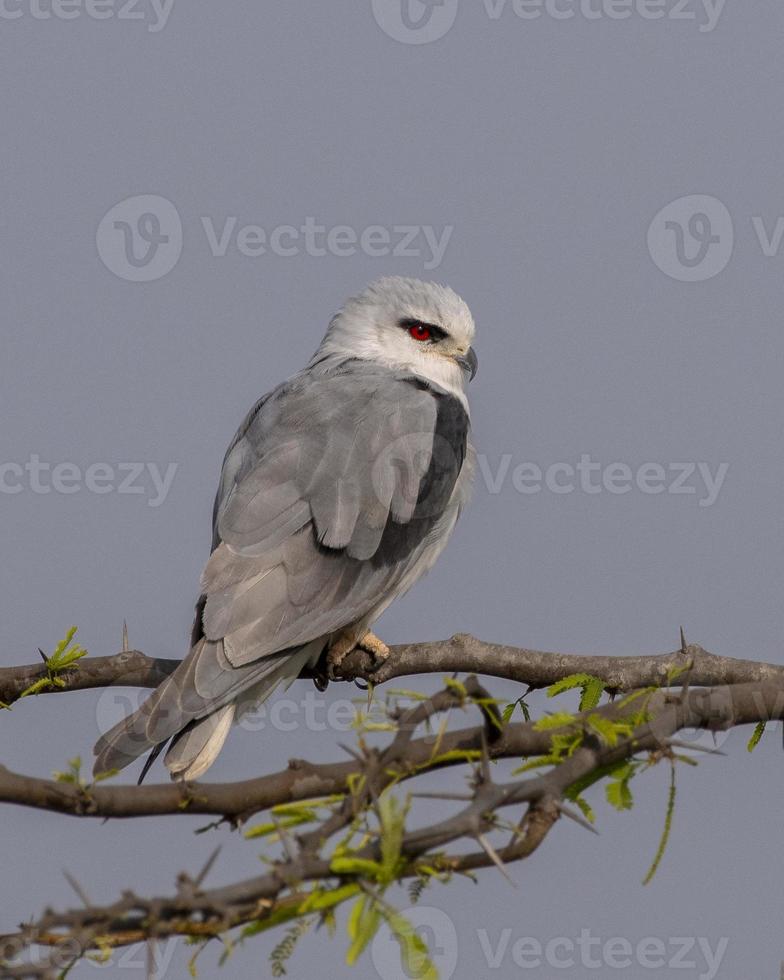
<point x="198" y="691"/>
<point x="196" y="747"/>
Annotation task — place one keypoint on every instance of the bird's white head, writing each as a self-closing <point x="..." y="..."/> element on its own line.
<point x="407" y="324"/>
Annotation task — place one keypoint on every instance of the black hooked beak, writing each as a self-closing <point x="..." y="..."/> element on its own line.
<point x="469" y="362"/>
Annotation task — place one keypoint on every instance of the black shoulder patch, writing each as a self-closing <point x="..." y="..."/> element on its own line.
<point x="449" y="449"/>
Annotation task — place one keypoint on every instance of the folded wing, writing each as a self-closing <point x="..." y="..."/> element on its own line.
<point x="329" y="495"/>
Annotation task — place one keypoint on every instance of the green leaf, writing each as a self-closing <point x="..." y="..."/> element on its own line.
<point x="618" y="791"/>
<point x="392" y="817"/>
<point x="458" y="687"/>
<point x="568" y="684"/>
<point x="42" y="684"/>
<point x="283" y="952"/>
<point x="298" y="805"/>
<point x="319" y="899"/>
<point x="592" y="694"/>
<point x="275" y="918"/>
<point x="665" y="832"/>
<point x="635" y="695"/>
<point x="619" y="795"/>
<point x="592" y="689"/>
<point x="401" y="692"/>
<point x="292" y="819"/>
<point x="72" y="775"/>
<point x="584" y="806"/>
<point x="376" y="726"/>
<point x="607" y="730"/>
<point x="364" y="920"/>
<point x="352" y="923"/>
<point x="489" y="708"/>
<point x="538" y="763"/>
<point x="99" y="777"/>
<point x="563" y="744"/>
<point x="558" y="719"/>
<point x="64" y="656"/>
<point x="509" y="711"/>
<point x="414" y="957"/>
<point x="363" y="867"/>
<point x="63" y="645"/>
<point x="756" y="735"/>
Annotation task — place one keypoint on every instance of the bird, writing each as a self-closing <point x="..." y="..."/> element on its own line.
<point x="338" y="492"/>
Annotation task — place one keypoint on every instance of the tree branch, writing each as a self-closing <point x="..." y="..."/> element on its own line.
<point x="461" y="653"/>
<point x="197" y="912"/>
<point x="715" y="693"/>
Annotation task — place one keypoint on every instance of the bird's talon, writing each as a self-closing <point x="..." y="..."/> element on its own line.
<point x="347" y="642"/>
<point x="375" y="646"/>
<point x="337" y="653"/>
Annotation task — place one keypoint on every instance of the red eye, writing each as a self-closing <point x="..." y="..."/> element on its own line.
<point x="419" y="331"/>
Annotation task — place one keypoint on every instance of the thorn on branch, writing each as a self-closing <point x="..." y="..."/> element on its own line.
<point x="82" y="894"/>
<point x="578" y="818"/>
<point x="352" y="752"/>
<point x="461" y="797"/>
<point x="491" y="852"/>
<point x="676" y="743"/>
<point x="207" y="867"/>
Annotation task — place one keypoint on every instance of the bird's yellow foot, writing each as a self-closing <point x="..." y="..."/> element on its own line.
<point x="347" y="641"/>
<point x="341" y="647"/>
<point x="375" y="646"/>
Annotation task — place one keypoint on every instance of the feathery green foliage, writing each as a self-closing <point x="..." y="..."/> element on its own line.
<point x="666" y="831"/>
<point x="617" y="790"/>
<point x="361" y="874"/>
<point x="590" y="686"/>
<point x="65" y="656"/>
<point x="287" y="815"/>
<point x="73" y="775"/>
<point x="285" y="948"/>
<point x="508" y="711"/>
<point x="756" y="735"/>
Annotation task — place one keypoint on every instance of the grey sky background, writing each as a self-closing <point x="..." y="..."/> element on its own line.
<point x="548" y="146"/>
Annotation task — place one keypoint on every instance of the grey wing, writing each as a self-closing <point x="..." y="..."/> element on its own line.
<point x="337" y="490"/>
<point x="337" y="493"/>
